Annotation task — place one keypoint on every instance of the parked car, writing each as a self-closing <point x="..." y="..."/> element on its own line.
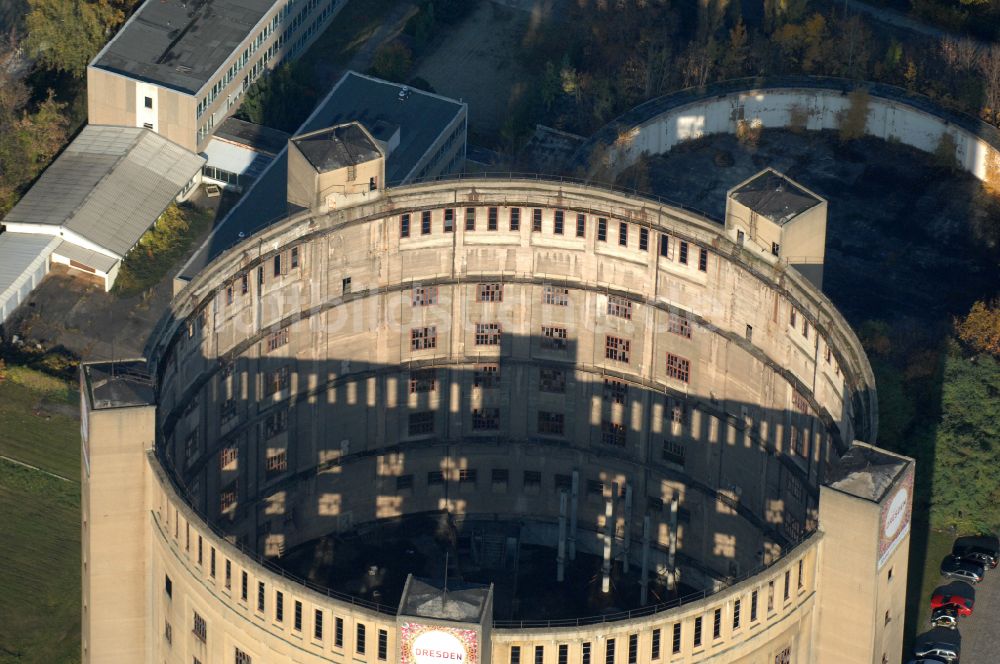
<point x="940" y="650"/>
<point x="984" y="550"/>
<point x="963" y="570"/>
<point x="928" y="660"/>
<point x="961" y="603"/>
<point x="945" y="616"/>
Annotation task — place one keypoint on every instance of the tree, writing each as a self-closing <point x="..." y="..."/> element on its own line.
<point x="65" y="35"/>
<point x="989" y="66"/>
<point x="392" y="61"/>
<point x="967" y="445"/>
<point x="734" y="60"/>
<point x="854" y="118"/>
<point x="979" y="330"/>
<point x="282" y="99"/>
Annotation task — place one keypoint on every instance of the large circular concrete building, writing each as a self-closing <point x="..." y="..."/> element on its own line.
<point x="509" y="421"/>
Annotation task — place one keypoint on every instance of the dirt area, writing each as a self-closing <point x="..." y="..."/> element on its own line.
<point x="476" y="61"/>
<point x="70" y="309"/>
<point x="905" y="238"/>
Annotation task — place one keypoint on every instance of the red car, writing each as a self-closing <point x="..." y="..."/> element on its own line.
<point x="961" y="604"/>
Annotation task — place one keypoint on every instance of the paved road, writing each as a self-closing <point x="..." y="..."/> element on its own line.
<point x="980" y="637"/>
<point x="899" y="20"/>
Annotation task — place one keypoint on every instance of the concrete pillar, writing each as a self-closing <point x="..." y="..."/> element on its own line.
<point x="627" y="518"/>
<point x="672" y="551"/>
<point x="644" y="575"/>
<point x="609" y="533"/>
<point x="574" y="497"/>
<point x="561" y="555"/>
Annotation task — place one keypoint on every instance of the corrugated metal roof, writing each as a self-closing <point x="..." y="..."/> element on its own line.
<point x="109" y="185"/>
<point x="88" y="257"/>
<point x="20" y="254"/>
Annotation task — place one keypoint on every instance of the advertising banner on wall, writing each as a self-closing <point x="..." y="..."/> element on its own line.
<point x="435" y="644"/>
<point x="894" y="522"/>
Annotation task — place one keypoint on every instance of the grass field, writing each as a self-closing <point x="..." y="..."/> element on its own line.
<point x="40" y="522"/>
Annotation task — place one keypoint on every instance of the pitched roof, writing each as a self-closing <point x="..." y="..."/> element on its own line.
<point x="109" y="185"/>
<point x="775" y="196"/>
<point x="337" y="147"/>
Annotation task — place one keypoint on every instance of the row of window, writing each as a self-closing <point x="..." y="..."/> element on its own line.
<point x="200" y="627"/>
<point x="219" y="86"/>
<point x="676" y="633"/>
<point x="280" y="264"/>
<point x="559" y="227"/>
<point x="616" y="349"/>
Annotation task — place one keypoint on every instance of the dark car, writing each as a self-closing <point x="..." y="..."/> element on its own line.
<point x="945" y="616"/>
<point x="941" y="650"/>
<point x="963" y="570"/>
<point x="984" y="550"/>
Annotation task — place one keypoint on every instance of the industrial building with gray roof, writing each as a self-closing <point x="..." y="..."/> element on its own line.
<point x="91" y="206"/>
<point x="423" y="134"/>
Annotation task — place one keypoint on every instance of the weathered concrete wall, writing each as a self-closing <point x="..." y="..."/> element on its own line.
<point x="657" y="126"/>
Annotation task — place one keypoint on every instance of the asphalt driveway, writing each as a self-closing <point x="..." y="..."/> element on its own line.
<point x="978" y="633"/>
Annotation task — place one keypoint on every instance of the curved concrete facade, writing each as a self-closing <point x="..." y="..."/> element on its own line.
<point x="810" y="103"/>
<point x="358" y="366"/>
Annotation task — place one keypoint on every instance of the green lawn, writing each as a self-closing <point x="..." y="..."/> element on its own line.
<point x="39" y="522"/>
<point x="36" y="427"/>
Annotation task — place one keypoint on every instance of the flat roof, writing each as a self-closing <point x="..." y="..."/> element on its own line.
<point x="337" y="147"/>
<point x="422" y="117"/>
<point x="109" y="185"/>
<point x="775" y="196"/>
<point x="253" y="136"/>
<point x="866" y="471"/>
<point x="118" y="384"/>
<point x="180" y="44"/>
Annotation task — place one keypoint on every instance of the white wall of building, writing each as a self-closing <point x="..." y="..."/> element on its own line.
<point x="774" y="108"/>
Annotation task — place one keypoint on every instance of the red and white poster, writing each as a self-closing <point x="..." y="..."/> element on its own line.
<point x="895" y="517"/>
<point x="434" y="644"/>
